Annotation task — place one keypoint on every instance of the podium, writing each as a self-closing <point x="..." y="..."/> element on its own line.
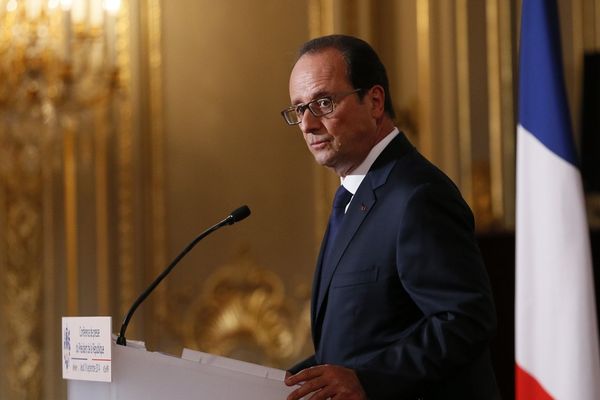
<point x="138" y="374"/>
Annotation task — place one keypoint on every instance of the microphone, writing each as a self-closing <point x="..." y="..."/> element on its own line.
<point x="235" y="216"/>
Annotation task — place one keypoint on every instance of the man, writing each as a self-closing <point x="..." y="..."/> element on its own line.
<point x="401" y="305"/>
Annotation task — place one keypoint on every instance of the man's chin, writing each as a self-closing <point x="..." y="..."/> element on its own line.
<point x="324" y="161"/>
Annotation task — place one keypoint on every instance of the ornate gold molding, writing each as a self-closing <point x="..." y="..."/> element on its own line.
<point x="22" y="155"/>
<point x="55" y="163"/>
<point x="242" y="312"/>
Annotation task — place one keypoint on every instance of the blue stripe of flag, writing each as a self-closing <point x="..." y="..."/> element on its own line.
<point x="543" y="108"/>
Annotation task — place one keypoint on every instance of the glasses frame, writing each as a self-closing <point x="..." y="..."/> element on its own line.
<point x="300" y="109"/>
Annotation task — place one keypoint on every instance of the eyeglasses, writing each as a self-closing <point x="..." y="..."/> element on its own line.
<point x="317" y="107"/>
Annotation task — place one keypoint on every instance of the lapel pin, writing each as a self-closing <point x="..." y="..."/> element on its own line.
<point x="363" y="207"/>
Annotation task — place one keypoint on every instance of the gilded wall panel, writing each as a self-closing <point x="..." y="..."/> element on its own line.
<point x="58" y="90"/>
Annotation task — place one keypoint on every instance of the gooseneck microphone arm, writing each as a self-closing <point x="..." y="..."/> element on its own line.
<point x="235" y="216"/>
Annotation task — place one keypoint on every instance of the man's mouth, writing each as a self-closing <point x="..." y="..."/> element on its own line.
<point x="319" y="143"/>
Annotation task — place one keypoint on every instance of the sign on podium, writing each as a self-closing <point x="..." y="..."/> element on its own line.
<point x="138" y="374"/>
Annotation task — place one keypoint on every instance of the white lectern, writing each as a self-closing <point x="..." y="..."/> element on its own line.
<point x="138" y="374"/>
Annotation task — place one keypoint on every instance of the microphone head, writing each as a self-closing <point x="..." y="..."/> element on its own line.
<point x="238" y="214"/>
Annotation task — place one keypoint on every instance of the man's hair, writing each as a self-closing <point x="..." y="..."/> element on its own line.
<point x="363" y="66"/>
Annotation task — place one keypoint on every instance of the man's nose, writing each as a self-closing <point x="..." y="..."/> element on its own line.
<point x="309" y="123"/>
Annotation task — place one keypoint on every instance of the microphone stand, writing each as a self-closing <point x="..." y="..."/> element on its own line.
<point x="235" y="216"/>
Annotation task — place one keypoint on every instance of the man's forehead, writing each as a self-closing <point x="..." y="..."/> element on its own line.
<point x="317" y="73"/>
<point x="328" y="60"/>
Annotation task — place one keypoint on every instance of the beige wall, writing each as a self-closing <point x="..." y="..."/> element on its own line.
<point x="225" y="80"/>
<point x="225" y="72"/>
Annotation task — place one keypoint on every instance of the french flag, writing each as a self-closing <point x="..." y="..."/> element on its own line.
<point x="556" y="341"/>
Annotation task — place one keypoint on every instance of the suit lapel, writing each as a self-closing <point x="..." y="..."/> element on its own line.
<point x="316" y="288"/>
<point x="360" y="206"/>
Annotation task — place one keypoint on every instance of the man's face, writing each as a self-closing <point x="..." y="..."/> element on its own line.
<point x="340" y="140"/>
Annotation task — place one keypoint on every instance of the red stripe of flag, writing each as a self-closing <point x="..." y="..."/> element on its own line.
<point x="527" y="387"/>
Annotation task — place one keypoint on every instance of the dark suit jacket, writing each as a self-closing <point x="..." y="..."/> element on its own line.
<point x="408" y="305"/>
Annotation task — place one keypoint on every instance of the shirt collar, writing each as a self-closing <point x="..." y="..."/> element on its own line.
<point x="353" y="180"/>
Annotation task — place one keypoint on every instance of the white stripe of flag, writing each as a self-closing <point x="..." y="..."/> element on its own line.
<point x="556" y="341"/>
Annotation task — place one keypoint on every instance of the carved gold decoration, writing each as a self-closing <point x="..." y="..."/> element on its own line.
<point x="58" y="76"/>
<point x="242" y="312"/>
<point x="21" y="161"/>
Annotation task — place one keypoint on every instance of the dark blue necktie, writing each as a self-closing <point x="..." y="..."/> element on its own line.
<point x="340" y="201"/>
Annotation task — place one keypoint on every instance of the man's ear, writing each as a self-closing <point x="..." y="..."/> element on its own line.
<point x="376" y="96"/>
